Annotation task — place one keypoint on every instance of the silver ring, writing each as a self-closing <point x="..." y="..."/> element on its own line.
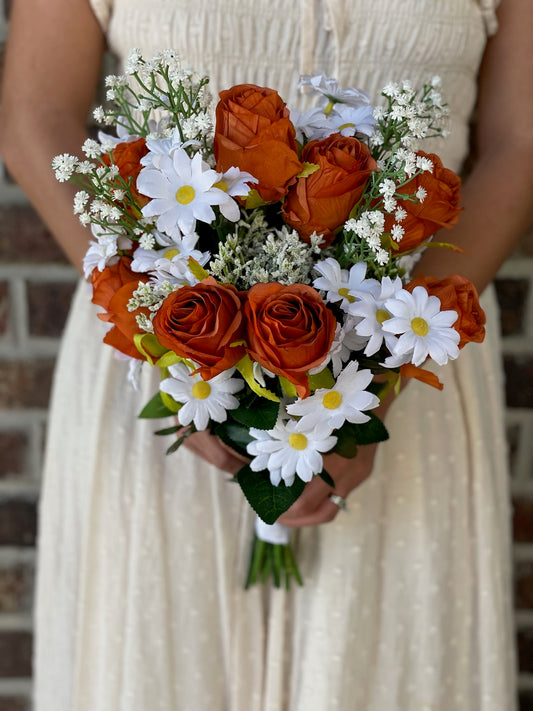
<point x="338" y="501"/>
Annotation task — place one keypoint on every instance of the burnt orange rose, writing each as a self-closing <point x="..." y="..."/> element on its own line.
<point x="440" y="207"/>
<point x="200" y="323"/>
<point x="112" y="289"/>
<point x="127" y="157"/>
<point x="456" y="293"/>
<point x="289" y="330"/>
<point x="253" y="132"/>
<point x="322" y="202"/>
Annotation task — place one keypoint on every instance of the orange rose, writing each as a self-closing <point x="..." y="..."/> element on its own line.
<point x="201" y="322"/>
<point x="112" y="289"/>
<point x="456" y="293"/>
<point x="290" y="330"/>
<point x="322" y="202"/>
<point x="440" y="207"/>
<point x="253" y="132"/>
<point x="127" y="157"/>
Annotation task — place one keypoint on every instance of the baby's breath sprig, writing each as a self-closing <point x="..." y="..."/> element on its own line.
<point x="408" y="117"/>
<point x="149" y="295"/>
<point x="159" y="84"/>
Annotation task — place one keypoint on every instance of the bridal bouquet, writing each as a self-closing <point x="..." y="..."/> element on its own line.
<point x="262" y="264"/>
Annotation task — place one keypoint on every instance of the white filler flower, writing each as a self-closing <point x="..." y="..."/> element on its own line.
<point x="290" y="450"/>
<point x="346" y="401"/>
<point x="425" y="329"/>
<point x="202" y="399"/>
<point x="182" y="191"/>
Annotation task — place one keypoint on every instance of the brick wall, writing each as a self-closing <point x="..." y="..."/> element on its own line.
<point x="36" y="284"/>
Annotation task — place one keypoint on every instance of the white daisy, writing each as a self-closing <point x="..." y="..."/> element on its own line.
<point x="182" y="192"/>
<point x="171" y="263"/>
<point x="343" y="285"/>
<point x="346" y="401"/>
<point x="424" y="329"/>
<point x="233" y="183"/>
<point x="313" y="124"/>
<point x="372" y="314"/>
<point x="333" y="92"/>
<point x="290" y="450"/>
<point x="203" y="400"/>
<point x="349" y="120"/>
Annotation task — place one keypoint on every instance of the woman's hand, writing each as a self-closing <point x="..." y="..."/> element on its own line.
<point x="314" y="505"/>
<point x="214" y="451"/>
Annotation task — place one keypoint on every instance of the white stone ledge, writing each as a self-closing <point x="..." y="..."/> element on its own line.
<point x="16" y="623"/>
<point x="13" y="555"/>
<point x="16" y="687"/>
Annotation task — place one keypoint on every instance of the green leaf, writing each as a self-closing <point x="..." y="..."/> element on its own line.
<point x="327" y="478"/>
<point x="235" y="435"/>
<point x="258" y="412"/>
<point x="156" y="408"/>
<point x="346" y="441"/>
<point x="288" y="388"/>
<point x="168" y="430"/>
<point x="246" y="369"/>
<point x="350" y="435"/>
<point x="324" y="379"/>
<point x="370" y="432"/>
<point x="267" y="500"/>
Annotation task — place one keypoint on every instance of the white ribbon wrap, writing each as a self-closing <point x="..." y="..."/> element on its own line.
<point x="276" y="533"/>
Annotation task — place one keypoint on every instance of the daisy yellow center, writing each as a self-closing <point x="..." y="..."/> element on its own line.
<point x="201" y="390"/>
<point x="298" y="441"/>
<point x="221" y="185"/>
<point x="332" y="400"/>
<point x="420" y="326"/>
<point x="185" y="194"/>
<point x="171" y="253"/>
<point x="382" y="315"/>
<point x="347" y="296"/>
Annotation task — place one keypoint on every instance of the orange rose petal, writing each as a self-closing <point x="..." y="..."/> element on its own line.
<point x="425" y="376"/>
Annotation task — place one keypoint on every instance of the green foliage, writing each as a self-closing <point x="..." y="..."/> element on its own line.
<point x="267" y="500"/>
<point x="155" y="409"/>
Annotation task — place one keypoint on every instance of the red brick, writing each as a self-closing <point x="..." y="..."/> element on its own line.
<point x="15" y="654"/>
<point x="512" y="295"/>
<point x="513" y="443"/>
<point x="18" y="523"/>
<point x="48" y="306"/>
<point x="25" y="384"/>
<point x="524" y="641"/>
<point x="16" y="589"/>
<point x="7" y="8"/>
<point x="4" y="308"/>
<point x="24" y="238"/>
<point x="523" y="520"/>
<point x="519" y="381"/>
<point x="14" y="703"/>
<point x="523" y="585"/>
<point x="13" y="450"/>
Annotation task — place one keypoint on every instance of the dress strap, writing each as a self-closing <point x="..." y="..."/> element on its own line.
<point x="102" y="10"/>
<point x="488" y="11"/>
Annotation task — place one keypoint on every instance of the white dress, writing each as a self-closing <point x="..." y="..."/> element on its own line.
<point x="406" y="603"/>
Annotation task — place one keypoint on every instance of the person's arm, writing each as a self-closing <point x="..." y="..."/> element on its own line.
<point x="498" y="195"/>
<point x="51" y="71"/>
<point x="498" y="201"/>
